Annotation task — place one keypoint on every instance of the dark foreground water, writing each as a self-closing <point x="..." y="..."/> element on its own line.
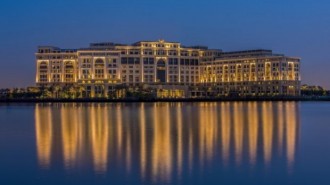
<point x="165" y="143"/>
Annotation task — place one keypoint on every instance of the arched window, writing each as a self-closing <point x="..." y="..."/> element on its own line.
<point x="43" y="70"/>
<point x="99" y="63"/>
<point x="99" y="69"/>
<point x="161" y="63"/>
<point x="43" y="65"/>
<point x="161" y="71"/>
<point x="68" y="67"/>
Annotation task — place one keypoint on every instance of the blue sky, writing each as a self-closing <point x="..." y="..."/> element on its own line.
<point x="293" y="27"/>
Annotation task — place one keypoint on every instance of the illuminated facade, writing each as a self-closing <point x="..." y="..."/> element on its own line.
<point x="170" y="68"/>
<point x="254" y="72"/>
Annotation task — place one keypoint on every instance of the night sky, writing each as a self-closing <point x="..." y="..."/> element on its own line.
<point x="293" y="27"/>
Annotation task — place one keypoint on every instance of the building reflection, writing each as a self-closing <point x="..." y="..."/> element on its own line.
<point x="99" y="134"/>
<point x="238" y="131"/>
<point x="253" y="132"/>
<point x="143" y="141"/>
<point x="44" y="135"/>
<point x="207" y="128"/>
<point x="161" y="150"/>
<point x="267" y="131"/>
<point x="164" y="140"/>
<point x="291" y="133"/>
<point x="225" y="116"/>
<point x="70" y="132"/>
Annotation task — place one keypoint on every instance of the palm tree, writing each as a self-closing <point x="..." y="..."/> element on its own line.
<point x="79" y="89"/>
<point x="64" y="92"/>
<point x="55" y="89"/>
<point x="71" y="91"/>
<point x="45" y="92"/>
<point x="68" y="91"/>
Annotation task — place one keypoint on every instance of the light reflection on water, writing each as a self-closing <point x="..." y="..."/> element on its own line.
<point x="161" y="141"/>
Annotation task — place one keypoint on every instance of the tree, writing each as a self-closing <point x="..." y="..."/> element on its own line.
<point x="71" y="91"/>
<point x="79" y="91"/>
<point x="55" y="89"/>
<point x="45" y="92"/>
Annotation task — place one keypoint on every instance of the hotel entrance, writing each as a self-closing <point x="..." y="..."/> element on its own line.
<point x="161" y="71"/>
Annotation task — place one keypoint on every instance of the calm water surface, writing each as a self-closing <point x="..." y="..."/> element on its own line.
<point x="165" y="143"/>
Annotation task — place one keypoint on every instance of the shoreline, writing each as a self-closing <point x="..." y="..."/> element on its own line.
<point x="136" y="100"/>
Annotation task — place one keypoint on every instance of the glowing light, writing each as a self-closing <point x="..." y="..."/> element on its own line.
<point x="267" y="131"/>
<point x="253" y="131"/>
<point x="70" y="136"/>
<point x="99" y="138"/>
<point x="44" y="135"/>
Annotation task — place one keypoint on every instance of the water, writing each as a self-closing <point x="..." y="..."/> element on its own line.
<point x="165" y="143"/>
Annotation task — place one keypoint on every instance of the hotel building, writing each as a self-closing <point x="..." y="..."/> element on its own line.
<point x="171" y="69"/>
